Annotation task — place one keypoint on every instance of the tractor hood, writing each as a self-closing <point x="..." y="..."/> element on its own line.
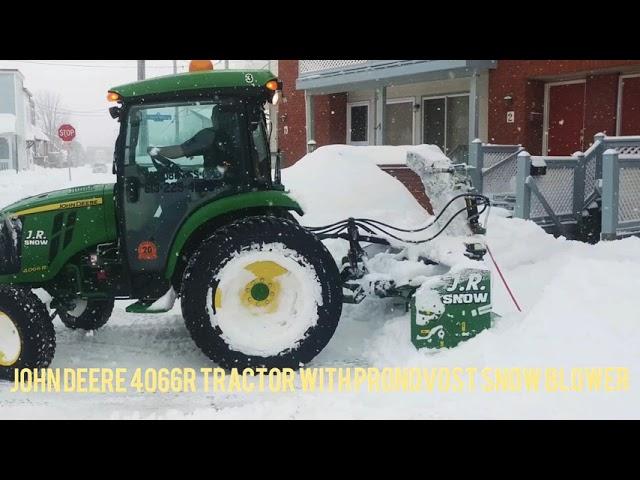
<point x="40" y="234"/>
<point x="76" y="197"/>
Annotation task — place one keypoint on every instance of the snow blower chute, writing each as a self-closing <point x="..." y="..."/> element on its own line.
<point x="443" y="279"/>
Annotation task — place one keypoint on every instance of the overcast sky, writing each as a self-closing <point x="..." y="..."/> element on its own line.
<point x="83" y="86"/>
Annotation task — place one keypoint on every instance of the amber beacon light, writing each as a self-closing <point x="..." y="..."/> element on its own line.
<point x="200" y="65"/>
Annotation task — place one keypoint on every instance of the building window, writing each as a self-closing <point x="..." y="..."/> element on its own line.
<point x="398" y="122"/>
<point x="445" y="121"/>
<point x="628" y="119"/>
<point x="358" y="123"/>
<point x="4" y="149"/>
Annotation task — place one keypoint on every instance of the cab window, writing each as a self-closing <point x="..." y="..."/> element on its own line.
<point x="210" y="134"/>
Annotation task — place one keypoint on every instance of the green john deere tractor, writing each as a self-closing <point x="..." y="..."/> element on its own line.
<point x="197" y="212"/>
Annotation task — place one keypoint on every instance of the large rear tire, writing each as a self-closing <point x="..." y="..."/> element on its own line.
<point x="261" y="292"/>
<point x="27" y="336"/>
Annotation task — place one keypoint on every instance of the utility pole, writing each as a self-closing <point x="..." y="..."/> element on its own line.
<point x="144" y="133"/>
<point x="176" y="116"/>
<point x="141" y="70"/>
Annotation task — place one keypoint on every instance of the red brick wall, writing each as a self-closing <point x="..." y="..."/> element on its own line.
<point x="291" y="114"/>
<point x="518" y="79"/>
<point x="412" y="181"/>
<point x="330" y="119"/>
<point x="330" y="116"/>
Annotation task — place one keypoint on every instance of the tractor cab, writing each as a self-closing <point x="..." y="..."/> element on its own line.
<point x="185" y="141"/>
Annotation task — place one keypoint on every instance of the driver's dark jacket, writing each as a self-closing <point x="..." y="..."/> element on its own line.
<point x="212" y="145"/>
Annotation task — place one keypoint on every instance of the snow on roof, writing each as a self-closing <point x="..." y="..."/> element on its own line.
<point x="7" y="123"/>
<point x="33" y="132"/>
<point x="39" y="134"/>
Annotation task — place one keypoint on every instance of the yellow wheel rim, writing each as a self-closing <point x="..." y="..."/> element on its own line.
<point x="263" y="291"/>
<point x="10" y="341"/>
<point x="264" y="300"/>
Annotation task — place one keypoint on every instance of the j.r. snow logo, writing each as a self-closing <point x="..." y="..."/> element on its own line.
<point x="473" y="291"/>
<point x="35" y="238"/>
<point x="61" y="234"/>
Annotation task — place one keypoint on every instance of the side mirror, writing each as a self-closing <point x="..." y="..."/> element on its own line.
<point x="115" y="112"/>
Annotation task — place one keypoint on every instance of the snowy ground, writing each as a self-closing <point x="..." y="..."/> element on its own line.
<point x="580" y="309"/>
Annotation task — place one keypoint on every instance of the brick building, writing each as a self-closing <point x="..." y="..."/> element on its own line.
<point x="550" y="106"/>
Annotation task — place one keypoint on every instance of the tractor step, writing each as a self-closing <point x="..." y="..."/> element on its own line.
<point x="161" y="305"/>
<point x="144" y="307"/>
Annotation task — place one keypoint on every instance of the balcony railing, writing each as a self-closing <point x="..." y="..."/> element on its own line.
<point x="307" y="67"/>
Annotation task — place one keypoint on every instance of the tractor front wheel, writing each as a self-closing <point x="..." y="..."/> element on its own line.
<point x="88" y="314"/>
<point x="261" y="292"/>
<point x="27" y="337"/>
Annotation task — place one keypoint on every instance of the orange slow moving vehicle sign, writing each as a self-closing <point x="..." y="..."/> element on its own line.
<point x="147" y="251"/>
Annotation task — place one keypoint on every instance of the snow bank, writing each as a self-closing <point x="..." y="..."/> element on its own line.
<point x="16" y="186"/>
<point x="580" y="309"/>
<point x="382" y="155"/>
<point x="340" y="181"/>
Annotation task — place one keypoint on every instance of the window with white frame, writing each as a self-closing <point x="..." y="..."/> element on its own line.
<point x="358" y="123"/>
<point x="445" y="121"/>
<point x="4" y="149"/>
<point x="398" y="122"/>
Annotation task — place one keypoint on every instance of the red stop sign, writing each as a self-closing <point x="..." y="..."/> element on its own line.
<point x="66" y="132"/>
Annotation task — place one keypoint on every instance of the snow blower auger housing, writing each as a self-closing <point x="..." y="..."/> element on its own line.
<point x="196" y="212"/>
<point x="448" y="304"/>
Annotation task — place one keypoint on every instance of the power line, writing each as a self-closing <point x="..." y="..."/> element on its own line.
<point x="86" y="65"/>
<point x="69" y="110"/>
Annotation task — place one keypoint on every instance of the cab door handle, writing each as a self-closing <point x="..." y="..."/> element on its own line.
<point x="132" y="188"/>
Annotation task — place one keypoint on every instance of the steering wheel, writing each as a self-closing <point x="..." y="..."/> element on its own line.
<point x="164" y="164"/>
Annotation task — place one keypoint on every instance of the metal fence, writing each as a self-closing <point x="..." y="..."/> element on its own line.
<point x="608" y="172"/>
<point x="552" y="192"/>
<point x="495" y="170"/>
<point x="620" y="194"/>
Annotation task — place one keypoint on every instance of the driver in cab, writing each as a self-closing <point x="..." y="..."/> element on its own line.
<point x="216" y="144"/>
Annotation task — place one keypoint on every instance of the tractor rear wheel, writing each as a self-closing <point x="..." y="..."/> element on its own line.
<point x="88" y="314"/>
<point x="261" y="292"/>
<point x="27" y="337"/>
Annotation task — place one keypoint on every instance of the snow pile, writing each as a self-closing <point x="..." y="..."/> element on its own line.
<point x="382" y="154"/>
<point x="16" y="186"/>
<point x="339" y="181"/>
<point x="580" y="309"/>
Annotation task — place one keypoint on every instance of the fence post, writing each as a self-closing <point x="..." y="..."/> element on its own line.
<point x="523" y="193"/>
<point x="610" y="189"/>
<point x="599" y="137"/>
<point x="476" y="160"/>
<point x="578" y="185"/>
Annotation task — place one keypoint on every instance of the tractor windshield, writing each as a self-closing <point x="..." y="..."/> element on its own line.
<point x="221" y="138"/>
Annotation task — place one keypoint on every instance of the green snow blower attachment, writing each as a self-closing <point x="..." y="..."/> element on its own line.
<point x="451" y="309"/>
<point x="449" y="299"/>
